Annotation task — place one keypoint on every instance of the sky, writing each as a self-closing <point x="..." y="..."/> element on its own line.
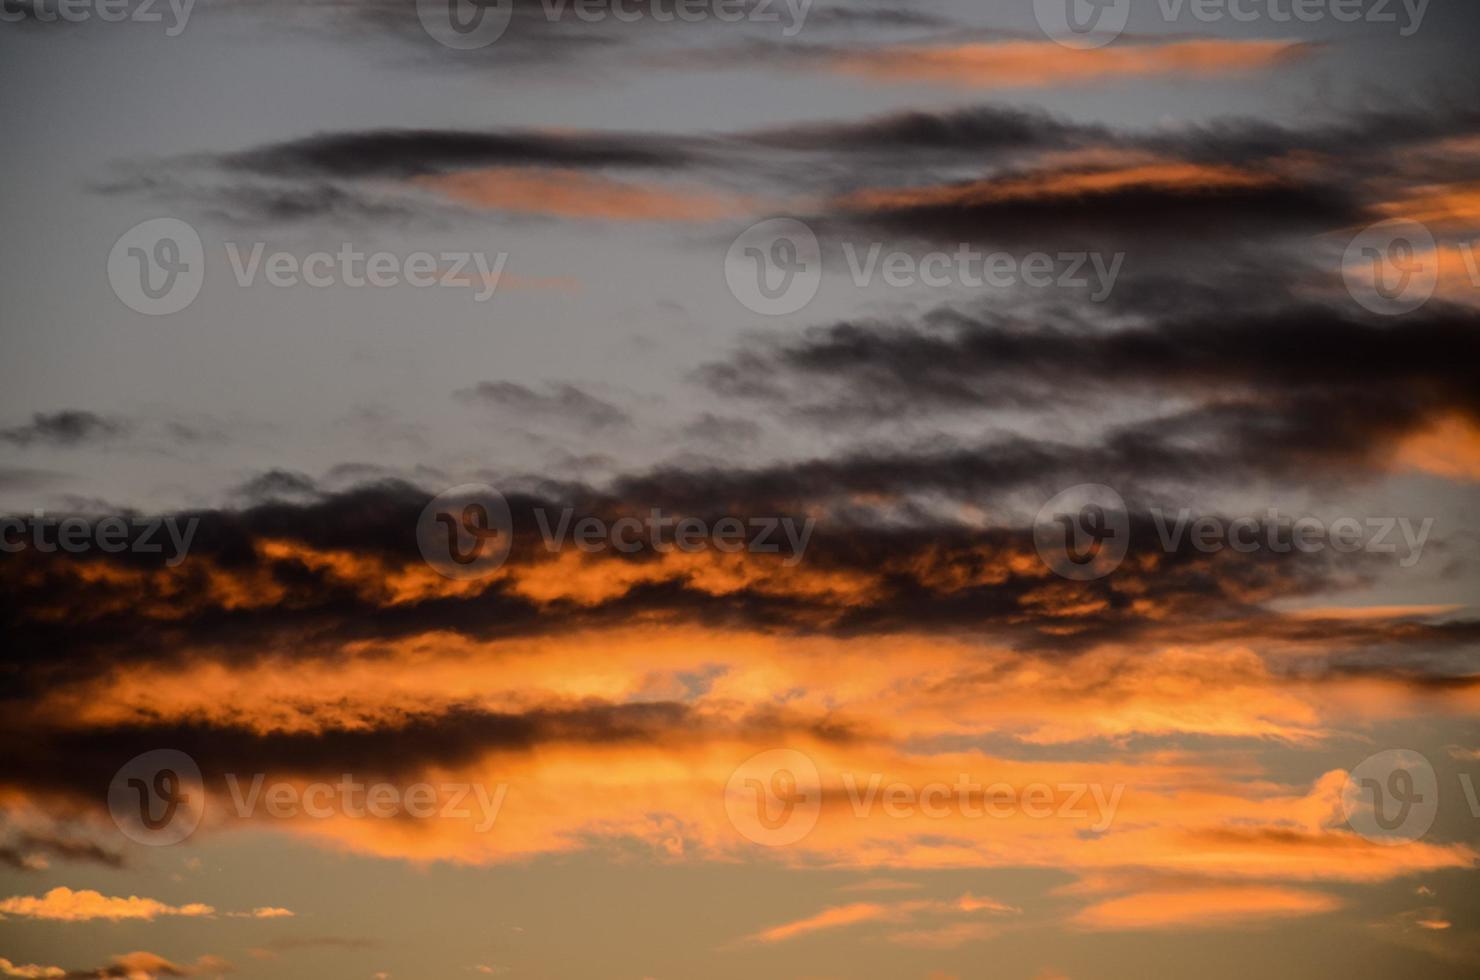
<point x="615" y="489"/>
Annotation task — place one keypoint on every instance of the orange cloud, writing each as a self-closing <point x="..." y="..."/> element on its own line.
<point x="29" y="971"/>
<point x="1449" y="447"/>
<point x="1164" y="175"/>
<point x="840" y="916"/>
<point x="1204" y="907"/>
<point x="1044" y="63"/>
<point x="572" y="194"/>
<point x="65" y="905"/>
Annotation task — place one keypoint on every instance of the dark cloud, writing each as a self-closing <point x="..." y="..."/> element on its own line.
<point x="402" y="154"/>
<point x="558" y="402"/>
<point x="276" y="485"/>
<point x="81" y="762"/>
<point x="15" y="853"/>
<point x="64" y="620"/>
<point x="1303" y="375"/>
<point x="1146" y="215"/>
<point x="66" y="428"/>
<point x="721" y="430"/>
<point x="965" y="131"/>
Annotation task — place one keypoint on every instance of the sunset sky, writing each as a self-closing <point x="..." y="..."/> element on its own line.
<point x="877" y="719"/>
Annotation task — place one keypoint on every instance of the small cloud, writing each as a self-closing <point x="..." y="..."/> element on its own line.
<point x="30" y="971"/>
<point x="265" y="912"/>
<point x="65" y="428"/>
<point x="62" y="904"/>
<point x="562" y="401"/>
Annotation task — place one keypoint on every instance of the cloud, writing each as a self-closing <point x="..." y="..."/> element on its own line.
<point x="1048" y="64"/>
<point x="571" y="194"/>
<point x="64" y="429"/>
<point x="142" y="965"/>
<point x="30" y="849"/>
<point x="1205" y="907"/>
<point x="62" y="904"/>
<point x="555" y="402"/>
<point x="395" y="153"/>
<point x="30" y="971"/>
<point x="856" y="913"/>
